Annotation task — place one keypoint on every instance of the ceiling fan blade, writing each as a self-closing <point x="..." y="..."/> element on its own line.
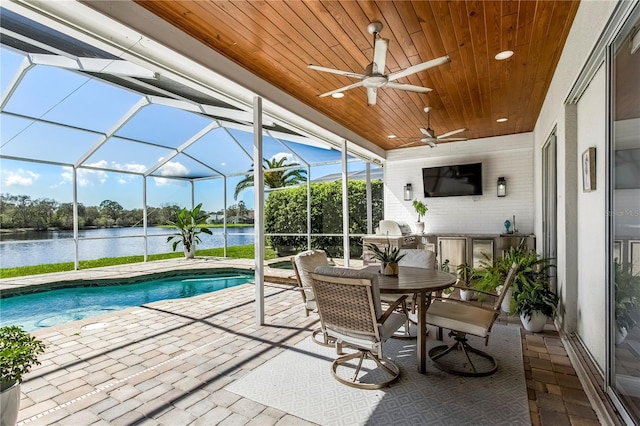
<point x="451" y="133"/>
<point x="371" y="96"/>
<point x="426" y="132"/>
<point x="380" y="55"/>
<point x="452" y="139"/>
<point x="342" y="89"/>
<point x="409" y="144"/>
<point x="409" y="87"/>
<point x="417" y="68"/>
<point x="335" y="71"/>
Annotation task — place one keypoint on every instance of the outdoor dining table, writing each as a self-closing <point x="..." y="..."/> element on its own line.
<point x="422" y="282"/>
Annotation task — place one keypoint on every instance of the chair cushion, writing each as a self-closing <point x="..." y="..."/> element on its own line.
<point x="307" y="262"/>
<point x="418" y="258"/>
<point x="386" y="330"/>
<point x="334" y="271"/>
<point x="463" y="317"/>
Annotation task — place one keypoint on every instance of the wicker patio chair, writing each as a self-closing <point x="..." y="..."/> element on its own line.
<point x="304" y="263"/>
<point x="464" y="318"/>
<point x="351" y="313"/>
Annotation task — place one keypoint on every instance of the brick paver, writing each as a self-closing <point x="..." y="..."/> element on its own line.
<point x="168" y="363"/>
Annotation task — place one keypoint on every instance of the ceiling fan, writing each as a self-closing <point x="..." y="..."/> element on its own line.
<point x="429" y="136"/>
<point x="374" y="77"/>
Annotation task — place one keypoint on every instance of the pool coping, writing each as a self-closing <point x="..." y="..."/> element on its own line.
<point x="132" y="271"/>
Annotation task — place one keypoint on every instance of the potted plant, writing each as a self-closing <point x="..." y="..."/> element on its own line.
<point x="18" y="353"/>
<point x="535" y="302"/>
<point x="389" y="258"/>
<point x="466" y="278"/>
<point x="421" y="209"/>
<point x="627" y="301"/>
<point x="189" y="224"/>
<point x="531" y="268"/>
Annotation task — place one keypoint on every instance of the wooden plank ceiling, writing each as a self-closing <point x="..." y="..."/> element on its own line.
<point x="278" y="39"/>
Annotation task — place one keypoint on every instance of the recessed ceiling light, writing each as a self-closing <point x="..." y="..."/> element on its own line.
<point x="392" y="136"/>
<point x="338" y="95"/>
<point x="504" y="55"/>
<point x="502" y="120"/>
<point x="426" y="109"/>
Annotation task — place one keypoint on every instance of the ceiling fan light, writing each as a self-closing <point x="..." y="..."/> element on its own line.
<point x="505" y="54"/>
<point x="502" y="120"/>
<point x="338" y="95"/>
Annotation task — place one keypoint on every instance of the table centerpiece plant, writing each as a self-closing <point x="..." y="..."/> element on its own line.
<point x="388" y="257"/>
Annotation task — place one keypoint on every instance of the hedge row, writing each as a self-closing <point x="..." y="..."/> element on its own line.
<point x="286" y="212"/>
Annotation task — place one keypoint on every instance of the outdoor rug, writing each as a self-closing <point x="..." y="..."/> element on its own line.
<point x="299" y="382"/>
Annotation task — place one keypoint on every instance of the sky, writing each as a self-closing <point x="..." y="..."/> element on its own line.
<point x="144" y="141"/>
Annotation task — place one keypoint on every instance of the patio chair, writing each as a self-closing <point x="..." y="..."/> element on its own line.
<point x="351" y="313"/>
<point x="463" y="318"/>
<point x="304" y="263"/>
<point x="416" y="258"/>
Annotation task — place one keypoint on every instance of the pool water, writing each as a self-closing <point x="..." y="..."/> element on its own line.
<point x="48" y="308"/>
<point x="284" y="264"/>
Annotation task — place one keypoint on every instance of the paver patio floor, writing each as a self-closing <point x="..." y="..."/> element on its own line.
<point x="167" y="363"/>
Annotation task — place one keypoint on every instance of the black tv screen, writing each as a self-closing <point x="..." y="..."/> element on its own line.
<point x="450" y="181"/>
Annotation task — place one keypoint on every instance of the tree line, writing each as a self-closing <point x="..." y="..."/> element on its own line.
<point x="21" y="211"/>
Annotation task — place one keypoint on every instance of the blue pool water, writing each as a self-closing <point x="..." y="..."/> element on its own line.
<point x="48" y="308"/>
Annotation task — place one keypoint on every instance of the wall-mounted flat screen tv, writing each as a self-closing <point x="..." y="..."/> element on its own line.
<point x="450" y="181"/>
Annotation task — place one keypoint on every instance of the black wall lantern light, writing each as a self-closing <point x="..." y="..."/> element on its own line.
<point x="408" y="192"/>
<point x="502" y="187"/>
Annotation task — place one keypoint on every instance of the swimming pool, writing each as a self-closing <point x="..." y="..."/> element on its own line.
<point x="283" y="264"/>
<point x="52" y="307"/>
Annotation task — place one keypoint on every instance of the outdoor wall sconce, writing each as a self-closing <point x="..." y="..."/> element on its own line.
<point x="502" y="187"/>
<point x="408" y="192"/>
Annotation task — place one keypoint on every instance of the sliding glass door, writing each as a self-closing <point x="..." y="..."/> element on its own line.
<point x="624" y="240"/>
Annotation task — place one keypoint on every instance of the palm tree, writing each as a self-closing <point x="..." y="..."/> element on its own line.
<point x="276" y="178"/>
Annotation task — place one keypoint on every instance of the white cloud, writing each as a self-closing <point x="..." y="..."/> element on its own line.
<point x="278" y="156"/>
<point x="128" y="167"/>
<point x="171" y="169"/>
<point x="20" y="177"/>
<point x="86" y="177"/>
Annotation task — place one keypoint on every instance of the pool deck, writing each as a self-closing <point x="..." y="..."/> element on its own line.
<point x="19" y="284"/>
<point x="168" y="362"/>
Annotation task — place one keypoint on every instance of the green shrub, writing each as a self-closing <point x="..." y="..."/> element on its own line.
<point x="286" y="213"/>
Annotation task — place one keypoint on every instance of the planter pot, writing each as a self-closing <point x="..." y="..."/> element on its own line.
<point x="621" y="334"/>
<point x="389" y="269"/>
<point x="466" y="295"/>
<point x="506" y="302"/>
<point x="9" y="405"/>
<point x="190" y="254"/>
<point x="535" y="323"/>
<point x="419" y="227"/>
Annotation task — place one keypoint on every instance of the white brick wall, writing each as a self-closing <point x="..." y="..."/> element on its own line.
<point x="509" y="156"/>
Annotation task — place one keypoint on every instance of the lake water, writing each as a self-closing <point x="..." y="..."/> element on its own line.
<point x="37" y="248"/>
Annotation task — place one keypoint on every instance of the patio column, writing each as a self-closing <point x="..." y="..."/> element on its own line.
<point x="76" y="263"/>
<point x="224" y="215"/>
<point x="345" y="204"/>
<point x="369" y="200"/>
<point x="258" y="208"/>
<point x="144" y="218"/>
